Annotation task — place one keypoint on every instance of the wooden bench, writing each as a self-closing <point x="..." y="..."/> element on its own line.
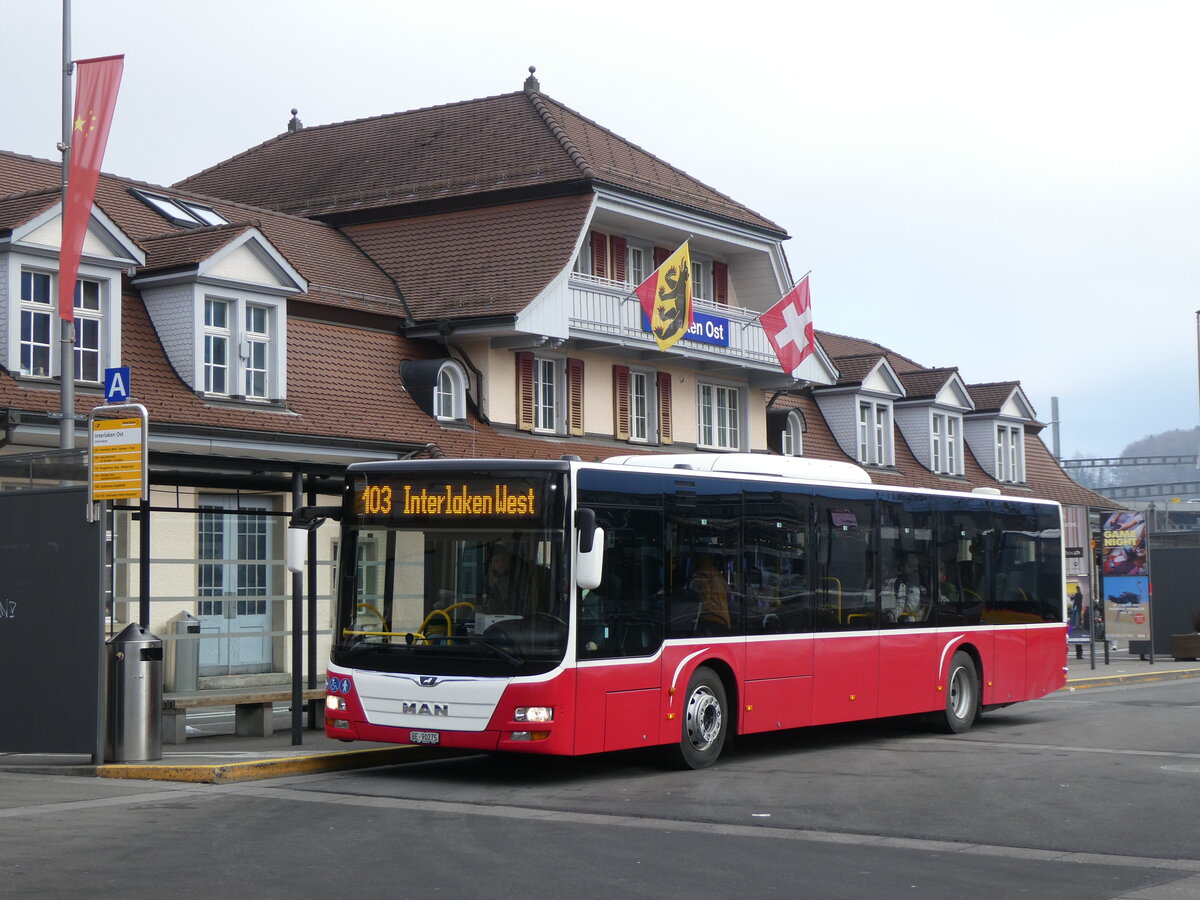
<point x="252" y="709"/>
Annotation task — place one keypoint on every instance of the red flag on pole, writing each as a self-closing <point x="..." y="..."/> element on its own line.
<point x="96" y="85"/>
<point x="789" y="328"/>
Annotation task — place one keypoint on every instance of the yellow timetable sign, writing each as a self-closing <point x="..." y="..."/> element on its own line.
<point x="118" y="459"/>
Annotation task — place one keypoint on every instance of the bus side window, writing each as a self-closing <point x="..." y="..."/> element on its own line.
<point x="623" y="615"/>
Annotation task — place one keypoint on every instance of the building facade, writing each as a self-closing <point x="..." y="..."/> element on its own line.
<point x="452" y="281"/>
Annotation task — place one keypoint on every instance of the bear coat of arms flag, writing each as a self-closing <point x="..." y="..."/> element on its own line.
<point x="666" y="298"/>
<point x="789" y="327"/>
<point x="95" y="99"/>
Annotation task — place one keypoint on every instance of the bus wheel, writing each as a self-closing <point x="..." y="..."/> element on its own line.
<point x="705" y="721"/>
<point x="962" y="694"/>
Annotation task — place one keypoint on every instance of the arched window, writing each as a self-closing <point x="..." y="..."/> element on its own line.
<point x="793" y="434"/>
<point x="450" y="393"/>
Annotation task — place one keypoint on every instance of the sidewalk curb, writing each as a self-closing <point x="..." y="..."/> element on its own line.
<point x="257" y="769"/>
<point x="1079" y="684"/>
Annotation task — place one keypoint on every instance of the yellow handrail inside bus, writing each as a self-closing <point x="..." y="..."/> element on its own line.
<point x="438" y="612"/>
<point x="838" y="582"/>
<point x="351" y="632"/>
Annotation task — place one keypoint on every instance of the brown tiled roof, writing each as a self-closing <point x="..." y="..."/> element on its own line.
<point x="523" y="141"/>
<point x="925" y="384"/>
<point x="20" y="208"/>
<point x="169" y="251"/>
<point x="992" y="396"/>
<point x="840" y="345"/>
<point x="853" y="369"/>
<point x="616" y="161"/>
<point x="479" y="262"/>
<point x="339" y="274"/>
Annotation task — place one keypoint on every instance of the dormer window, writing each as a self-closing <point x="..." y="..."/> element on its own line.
<point x="437" y="386"/>
<point x="238" y="359"/>
<point x="793" y="434"/>
<point x="449" y="397"/>
<point x="184" y="213"/>
<point x="1010" y="454"/>
<point x="38" y="351"/>
<point x="875" y="433"/>
<point x="945" y="444"/>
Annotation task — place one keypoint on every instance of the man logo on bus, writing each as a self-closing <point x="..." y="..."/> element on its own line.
<point x="429" y="680"/>
<point x="424" y="709"/>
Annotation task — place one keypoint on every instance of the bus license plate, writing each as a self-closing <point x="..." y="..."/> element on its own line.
<point x="424" y="737"/>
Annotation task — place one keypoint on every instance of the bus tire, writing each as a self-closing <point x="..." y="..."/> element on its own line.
<point x="962" y="694"/>
<point x="705" y="723"/>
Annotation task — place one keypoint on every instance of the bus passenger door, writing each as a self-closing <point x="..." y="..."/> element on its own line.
<point x="846" y="651"/>
<point x="778" y="611"/>
<point x="619" y="635"/>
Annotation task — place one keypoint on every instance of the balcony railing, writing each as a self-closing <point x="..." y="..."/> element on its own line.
<point x="606" y="310"/>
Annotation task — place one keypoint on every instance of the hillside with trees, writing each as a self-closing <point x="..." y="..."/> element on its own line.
<point x="1178" y="442"/>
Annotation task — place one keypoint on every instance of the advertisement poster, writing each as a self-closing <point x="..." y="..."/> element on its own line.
<point x="1125" y="574"/>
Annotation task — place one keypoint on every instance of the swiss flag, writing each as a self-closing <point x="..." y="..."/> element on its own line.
<point x="789" y="328"/>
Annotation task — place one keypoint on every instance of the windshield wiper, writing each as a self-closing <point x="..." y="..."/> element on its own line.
<point x="499" y="651"/>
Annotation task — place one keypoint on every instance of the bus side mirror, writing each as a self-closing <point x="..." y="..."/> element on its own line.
<point x="589" y="557"/>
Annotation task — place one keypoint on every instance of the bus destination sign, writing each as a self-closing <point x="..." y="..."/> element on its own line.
<point x="454" y="500"/>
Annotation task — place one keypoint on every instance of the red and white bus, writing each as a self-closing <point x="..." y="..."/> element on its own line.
<point x="565" y="607"/>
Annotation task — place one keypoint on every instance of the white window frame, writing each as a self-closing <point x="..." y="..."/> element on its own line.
<point x="97" y="328"/>
<point x="635" y="274"/>
<point x="33" y="311"/>
<point x="719" y="409"/>
<point x="792" y="442"/>
<point x="945" y="443"/>
<point x="255" y="351"/>
<point x="583" y="262"/>
<point x="1010" y="454"/>
<point x="875" y="446"/>
<point x="253" y="337"/>
<point x="701" y="277"/>
<point x="549" y="387"/>
<point x="218" y="335"/>
<point x="643" y="409"/>
<point x="89" y="318"/>
<point x="450" y="394"/>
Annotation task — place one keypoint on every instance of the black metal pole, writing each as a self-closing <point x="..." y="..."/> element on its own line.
<point x="312" y="612"/>
<point x="144" y="564"/>
<point x="297" y="632"/>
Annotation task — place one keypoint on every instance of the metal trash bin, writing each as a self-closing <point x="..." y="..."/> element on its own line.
<point x="181" y="656"/>
<point x="133" y="731"/>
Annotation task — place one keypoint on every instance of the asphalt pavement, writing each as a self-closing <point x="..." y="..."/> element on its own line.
<point x="216" y="758"/>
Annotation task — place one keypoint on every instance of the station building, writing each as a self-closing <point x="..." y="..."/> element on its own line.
<point x="452" y="281"/>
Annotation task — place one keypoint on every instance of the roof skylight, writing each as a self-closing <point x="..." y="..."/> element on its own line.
<point x="185" y="213"/>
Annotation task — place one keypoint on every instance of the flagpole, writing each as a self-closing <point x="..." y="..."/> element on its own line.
<point x="66" y="432"/>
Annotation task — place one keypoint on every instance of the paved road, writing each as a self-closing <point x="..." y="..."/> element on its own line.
<point x="1087" y="794"/>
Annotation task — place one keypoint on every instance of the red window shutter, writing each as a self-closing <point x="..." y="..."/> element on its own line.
<point x="621" y="429"/>
<point x="618" y="258"/>
<point x="660" y="256"/>
<point x="525" y="391"/>
<point x="664" y="408"/>
<point x="575" y="396"/>
<point x="599" y="254"/>
<point x="720" y="275"/>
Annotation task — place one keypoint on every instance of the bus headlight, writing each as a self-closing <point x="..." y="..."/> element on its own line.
<point x="534" y="714"/>
<point x="334" y="702"/>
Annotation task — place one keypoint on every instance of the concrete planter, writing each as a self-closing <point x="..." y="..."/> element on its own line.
<point x="1185" y="646"/>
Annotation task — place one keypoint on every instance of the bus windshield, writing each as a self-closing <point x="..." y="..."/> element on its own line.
<point x="456" y="574"/>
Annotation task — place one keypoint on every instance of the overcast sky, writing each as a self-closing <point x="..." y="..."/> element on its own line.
<point x="1010" y="188"/>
